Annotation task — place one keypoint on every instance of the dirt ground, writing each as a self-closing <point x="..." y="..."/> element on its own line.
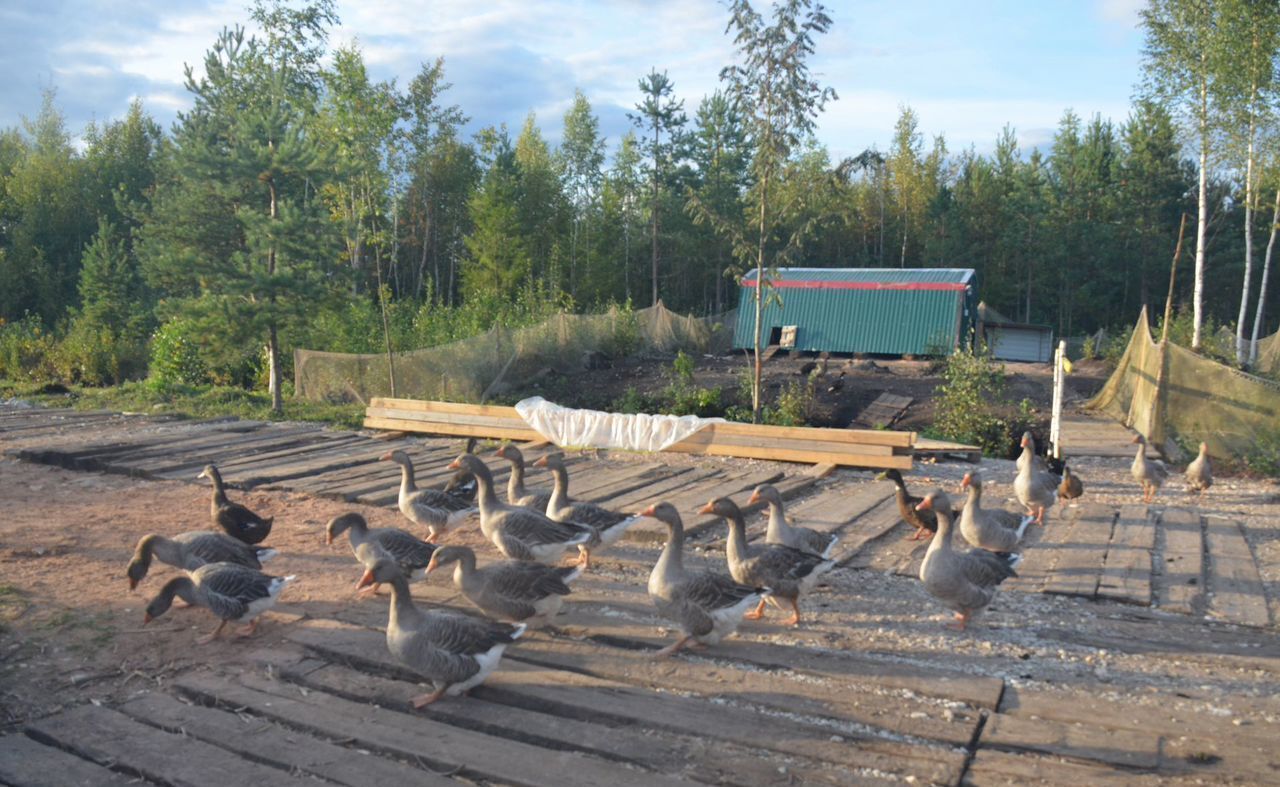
<point x="844" y="387"/>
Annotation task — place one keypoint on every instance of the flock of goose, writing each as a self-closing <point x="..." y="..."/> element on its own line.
<point x="534" y="530"/>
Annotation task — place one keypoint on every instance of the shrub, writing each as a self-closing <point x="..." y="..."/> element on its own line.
<point x="175" y="355"/>
<point x="26" y="351"/>
<point x="970" y="402"/>
<point x="1263" y="456"/>
<point x="95" y="355"/>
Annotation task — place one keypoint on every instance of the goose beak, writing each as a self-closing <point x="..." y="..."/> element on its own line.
<point x="202" y="474"/>
<point x="366" y="580"/>
<point x="755" y="498"/>
<point x="133" y="583"/>
<point x="648" y="511"/>
<point x="709" y="508"/>
<point x="386" y="457"/>
<point x="146" y="618"/>
<point x="968" y="479"/>
<point x="925" y="505"/>
<point x="328" y="539"/>
<point x="542" y="461"/>
<point x="432" y="566"/>
<point x="455" y="464"/>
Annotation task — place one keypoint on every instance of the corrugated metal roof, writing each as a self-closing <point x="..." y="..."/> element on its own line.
<point x="874" y="275"/>
<point x="895" y="311"/>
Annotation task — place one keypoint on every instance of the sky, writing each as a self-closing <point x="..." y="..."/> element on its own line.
<point x="966" y="68"/>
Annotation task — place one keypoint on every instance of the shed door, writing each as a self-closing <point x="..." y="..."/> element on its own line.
<point x="1019" y="344"/>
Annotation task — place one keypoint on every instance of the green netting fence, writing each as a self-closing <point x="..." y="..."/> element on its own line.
<point x="484" y="366"/>
<point x="1165" y="392"/>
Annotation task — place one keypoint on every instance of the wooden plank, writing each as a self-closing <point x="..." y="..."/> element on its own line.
<point x="822" y="470"/>
<point x="817" y="434"/>
<point x="1126" y="572"/>
<point x="630" y="723"/>
<point x="1040" y="545"/>
<point x="1078" y="562"/>
<point x="813" y="456"/>
<point x="459" y="408"/>
<point x="29" y="764"/>
<point x="1124" y="748"/>
<point x="1180" y="581"/>
<point x="468" y="419"/>
<point x="460" y="430"/>
<point x="106" y="736"/>
<point x="852" y="689"/>
<point x="441" y="746"/>
<point x="1235" y="589"/>
<point x="265" y="742"/>
<point x="719" y="437"/>
<point x="990" y="767"/>
<point x="544" y="726"/>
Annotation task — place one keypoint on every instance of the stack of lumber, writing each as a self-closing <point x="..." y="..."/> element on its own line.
<point x="838" y="447"/>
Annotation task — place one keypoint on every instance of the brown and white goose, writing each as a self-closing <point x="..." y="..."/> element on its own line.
<point x="520" y="533"/>
<point x="411" y="553"/>
<point x="608" y="525"/>
<point x="780" y="531"/>
<point x="788" y="572"/>
<point x="707" y="605"/>
<point x="191" y="551"/>
<point x="232" y="592"/>
<point x="963" y="581"/>
<point x="437" y="511"/>
<point x="235" y="520"/>
<point x="1151" y="473"/>
<point x="1200" y="473"/>
<point x="1071" y="487"/>
<point x="517" y="495"/>
<point x="1035" y="488"/>
<point x="996" y="530"/>
<point x="454" y="652"/>
<point x="514" y="590"/>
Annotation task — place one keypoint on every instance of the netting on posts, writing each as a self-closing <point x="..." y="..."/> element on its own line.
<point x="1165" y="391"/>
<point x="480" y="367"/>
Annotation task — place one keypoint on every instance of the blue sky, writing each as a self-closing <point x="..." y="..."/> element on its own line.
<point x="967" y="68"/>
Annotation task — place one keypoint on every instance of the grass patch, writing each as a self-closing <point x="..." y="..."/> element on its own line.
<point x="192" y="401"/>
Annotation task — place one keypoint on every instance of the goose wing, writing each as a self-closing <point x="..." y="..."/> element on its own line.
<point x="206" y="546"/>
<point x="229" y="589"/>
<point x="529" y="581"/>
<point x="987" y="569"/>
<point x="403" y="547"/>
<point x="441" y="501"/>
<point x="537" y="529"/>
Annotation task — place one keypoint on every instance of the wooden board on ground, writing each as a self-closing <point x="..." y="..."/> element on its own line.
<point x="1077" y="563"/>
<point x="884" y="412"/>
<point x="927" y="447"/>
<point x="106" y="736"/>
<point x="1180" y="581"/>
<point x="30" y="764"/>
<point x="1235" y="588"/>
<point x="1126" y="571"/>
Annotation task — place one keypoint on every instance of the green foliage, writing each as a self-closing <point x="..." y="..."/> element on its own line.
<point x="632" y="401"/>
<point x="1263" y="456"/>
<point x="26" y="350"/>
<point x="175" y="355"/>
<point x="1214" y="344"/>
<point x="972" y="407"/>
<point x="92" y="354"/>
<point x="795" y="402"/>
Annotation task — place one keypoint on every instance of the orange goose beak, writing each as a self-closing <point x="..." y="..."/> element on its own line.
<point x="925" y="505"/>
<point x="755" y="498"/>
<point x="366" y="580"/>
<point x="146" y="618"/>
<point x="432" y="566"/>
<point x="709" y="508"/>
<point x="648" y="511"/>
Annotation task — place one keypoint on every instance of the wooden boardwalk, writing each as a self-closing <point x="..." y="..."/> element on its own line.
<point x="585" y="704"/>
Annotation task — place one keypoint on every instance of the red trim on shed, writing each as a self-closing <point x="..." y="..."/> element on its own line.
<point x="801" y="284"/>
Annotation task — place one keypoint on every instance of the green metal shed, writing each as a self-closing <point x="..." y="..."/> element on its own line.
<point x="890" y="311"/>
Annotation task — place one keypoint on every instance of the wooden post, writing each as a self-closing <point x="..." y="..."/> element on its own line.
<point x="1059" y="380"/>
<point x="1173" y="272"/>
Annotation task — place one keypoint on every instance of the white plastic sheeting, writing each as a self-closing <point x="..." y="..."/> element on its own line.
<point x="570" y="428"/>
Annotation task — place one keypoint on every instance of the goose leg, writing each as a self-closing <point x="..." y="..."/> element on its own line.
<point x="920" y="531"/>
<point x="962" y="618"/>
<point x="207" y="638"/>
<point x="423" y="700"/>
<point x="247" y="631"/>
<point x="757" y="613"/>
<point x="673" y="648"/>
<point x="795" y="617"/>
<point x="584" y="558"/>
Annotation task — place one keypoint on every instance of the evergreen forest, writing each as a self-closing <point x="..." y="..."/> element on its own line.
<point x="299" y="203"/>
